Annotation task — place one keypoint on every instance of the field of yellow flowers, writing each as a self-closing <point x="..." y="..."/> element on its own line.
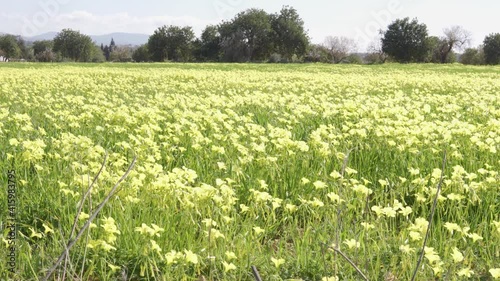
<point x="288" y="168"/>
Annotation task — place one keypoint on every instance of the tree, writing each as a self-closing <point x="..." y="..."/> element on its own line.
<point x="289" y="35"/>
<point x="26" y="53"/>
<point x="2" y="56"/>
<point x="112" y="45"/>
<point x="405" y="41"/>
<point x="317" y="53"/>
<point x="141" y="54"/>
<point x="210" y="44"/>
<point x="121" y="54"/>
<point x="248" y="35"/>
<point x="435" y="46"/>
<point x="340" y="47"/>
<point x="233" y="44"/>
<point x="10" y="47"/>
<point x="97" y="55"/>
<point x="42" y="46"/>
<point x="74" y="45"/>
<point x="492" y="48"/>
<point x="474" y="56"/>
<point x="45" y="56"/>
<point x="455" y="38"/>
<point x="172" y="43"/>
<point x="375" y="54"/>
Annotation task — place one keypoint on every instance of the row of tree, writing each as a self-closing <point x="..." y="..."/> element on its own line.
<point x="252" y="35"/>
<point x="256" y="36"/>
<point x="407" y="41"/>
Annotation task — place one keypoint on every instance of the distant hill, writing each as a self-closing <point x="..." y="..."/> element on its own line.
<point x="45" y="36"/>
<point x="120" y="38"/>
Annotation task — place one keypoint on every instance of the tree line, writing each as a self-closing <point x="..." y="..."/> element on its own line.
<point x="257" y="36"/>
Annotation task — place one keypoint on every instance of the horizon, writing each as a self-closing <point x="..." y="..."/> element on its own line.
<point x="360" y="21"/>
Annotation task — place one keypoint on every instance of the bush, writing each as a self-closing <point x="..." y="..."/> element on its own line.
<point x="45" y="56"/>
<point x="275" y="58"/>
<point x="492" y="49"/>
<point x="353" y="59"/>
<point x="472" y="56"/>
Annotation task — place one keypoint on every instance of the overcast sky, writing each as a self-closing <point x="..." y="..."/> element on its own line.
<point x="358" y="19"/>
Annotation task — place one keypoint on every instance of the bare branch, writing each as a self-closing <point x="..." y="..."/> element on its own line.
<point x="72" y="242"/>
<point x="434" y="205"/>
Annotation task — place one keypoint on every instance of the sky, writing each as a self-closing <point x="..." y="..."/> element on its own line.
<point x="357" y="19"/>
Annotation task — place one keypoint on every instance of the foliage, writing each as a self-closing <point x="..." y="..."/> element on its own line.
<point x="141" y="54"/>
<point x="121" y="54"/>
<point x="340" y="48"/>
<point x="491" y="48"/>
<point x="247" y="37"/>
<point x="317" y="53"/>
<point x="474" y="56"/>
<point x="210" y="44"/>
<point x="353" y="59"/>
<point x="289" y="35"/>
<point x="73" y="45"/>
<point x="97" y="54"/>
<point x="406" y="41"/>
<point x="42" y="46"/>
<point x="45" y="56"/>
<point x="9" y="46"/>
<point x="171" y="43"/>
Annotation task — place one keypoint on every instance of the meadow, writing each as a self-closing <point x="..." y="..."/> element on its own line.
<point x="281" y="167"/>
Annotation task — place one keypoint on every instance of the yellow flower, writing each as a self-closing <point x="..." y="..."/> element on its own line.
<point x="496" y="224"/>
<point x="113" y="268"/>
<point x="47" y="228"/>
<point x="230" y="255"/>
<point x="495" y="272"/>
<point x="335" y="175"/>
<point x="383" y="182"/>
<point x="415" y="236"/>
<point x="367" y="226"/>
<point x="431" y="255"/>
<point x="319" y="185"/>
<point x="317" y="203"/>
<point x="406" y="249"/>
<point x="291" y="208"/>
<point x="350" y="171"/>
<point x="35" y="234"/>
<point x="304" y="181"/>
<point x="452" y="227"/>
<point x="389" y="212"/>
<point x="106" y="247"/>
<point x="258" y="230"/>
<point x="352" y="243"/>
<point x="475" y="237"/>
<point x="244" y="208"/>
<point x="457" y="255"/>
<point x="405" y="211"/>
<point x="172" y="256"/>
<point x="334" y="197"/>
<point x="83" y="216"/>
<point x="228" y="266"/>
<point x="467" y="272"/>
<point x="13" y="142"/>
<point x="277" y="262"/>
<point x="155" y="246"/>
<point x="215" y="234"/>
<point x="6" y="242"/>
<point x="190" y="257"/>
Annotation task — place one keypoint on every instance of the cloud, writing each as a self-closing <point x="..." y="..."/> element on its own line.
<point x="95" y="24"/>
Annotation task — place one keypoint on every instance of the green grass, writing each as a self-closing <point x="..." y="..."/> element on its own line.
<point x="253" y="147"/>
